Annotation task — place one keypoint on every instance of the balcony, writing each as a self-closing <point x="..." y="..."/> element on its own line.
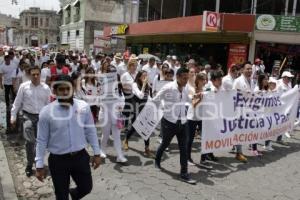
<point x="67" y="20"/>
<point x="76" y="18"/>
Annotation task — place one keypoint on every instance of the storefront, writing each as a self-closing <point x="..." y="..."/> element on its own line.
<point x="185" y="36"/>
<point x="277" y="38"/>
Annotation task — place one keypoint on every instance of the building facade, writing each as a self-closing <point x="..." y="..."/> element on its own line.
<point x="8" y="27"/>
<point x="84" y="21"/>
<point x="38" y="28"/>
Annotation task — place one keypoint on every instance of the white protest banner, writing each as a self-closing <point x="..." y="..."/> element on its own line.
<point x="108" y="87"/>
<point x="147" y="120"/>
<point x="234" y="117"/>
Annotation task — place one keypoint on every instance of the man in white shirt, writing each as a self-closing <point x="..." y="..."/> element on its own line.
<point x="151" y="69"/>
<point x="284" y="84"/>
<point x="96" y="63"/>
<point x="227" y="81"/>
<point x="31" y="97"/>
<point x="175" y="97"/>
<point x="44" y="57"/>
<point x="244" y="83"/>
<point x="6" y="71"/>
<point x="119" y="65"/>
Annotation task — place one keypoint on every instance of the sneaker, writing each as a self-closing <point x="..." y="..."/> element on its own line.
<point x="212" y="157"/>
<point x="256" y="153"/>
<point x="241" y="157"/>
<point x="283" y="143"/>
<point x="121" y="159"/>
<point x="287" y="134"/>
<point x="191" y="162"/>
<point x="102" y="154"/>
<point x="205" y="164"/>
<point x="125" y="145"/>
<point x="159" y="140"/>
<point x="268" y="148"/>
<point x="28" y="171"/>
<point x="186" y="178"/>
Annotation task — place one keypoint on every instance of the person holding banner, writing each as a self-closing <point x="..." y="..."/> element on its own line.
<point x="175" y="97"/>
<point x="109" y="118"/>
<point x="244" y="83"/>
<point x="193" y="115"/>
<point x="142" y="92"/>
<point x="284" y="84"/>
<point x="262" y="86"/>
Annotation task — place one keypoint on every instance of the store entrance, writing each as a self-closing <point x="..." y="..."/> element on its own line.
<point x="271" y="53"/>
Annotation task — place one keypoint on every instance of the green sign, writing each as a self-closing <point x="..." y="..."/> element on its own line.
<point x="278" y="23"/>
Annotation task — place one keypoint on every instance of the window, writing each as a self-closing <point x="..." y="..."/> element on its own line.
<point x="36" y="22"/>
<point x="41" y="22"/>
<point x="47" y="22"/>
<point x="77" y="33"/>
<point x="68" y="33"/>
<point x="26" y="21"/>
<point x="26" y="40"/>
<point x="46" y="41"/>
<point x="32" y="22"/>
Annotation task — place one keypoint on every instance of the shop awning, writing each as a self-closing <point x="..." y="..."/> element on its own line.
<point x="77" y="2"/>
<point x="67" y="7"/>
<point x="190" y="38"/>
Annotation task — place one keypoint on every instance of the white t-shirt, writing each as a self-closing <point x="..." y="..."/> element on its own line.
<point x="128" y="79"/>
<point x="44" y="73"/>
<point x="152" y="72"/>
<point x="7" y="71"/>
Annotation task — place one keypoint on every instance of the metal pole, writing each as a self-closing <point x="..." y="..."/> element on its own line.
<point x="251" y="6"/>
<point x="161" y="8"/>
<point x="125" y="10"/>
<point x="217" y="5"/>
<point x="294" y="7"/>
<point x="148" y="2"/>
<point x="286" y="7"/>
<point x="254" y="7"/>
<point x="184" y="8"/>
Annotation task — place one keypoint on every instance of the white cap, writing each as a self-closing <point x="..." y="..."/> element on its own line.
<point x="207" y="66"/>
<point x="287" y="74"/>
<point x="174" y="57"/>
<point x="272" y="80"/>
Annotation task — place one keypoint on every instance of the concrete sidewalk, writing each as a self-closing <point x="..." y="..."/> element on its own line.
<point x="7" y="188"/>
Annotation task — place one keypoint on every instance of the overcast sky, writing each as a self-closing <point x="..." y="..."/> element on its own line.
<point x="7" y="8"/>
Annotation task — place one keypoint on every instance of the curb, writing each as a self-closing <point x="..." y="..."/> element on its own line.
<point x="9" y="192"/>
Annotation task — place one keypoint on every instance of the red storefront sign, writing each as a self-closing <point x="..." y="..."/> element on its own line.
<point x="237" y="54"/>
<point x="211" y="21"/>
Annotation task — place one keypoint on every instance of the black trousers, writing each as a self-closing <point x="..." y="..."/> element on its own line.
<point x="132" y="130"/>
<point x="169" y="130"/>
<point x="9" y="99"/>
<point x="62" y="167"/>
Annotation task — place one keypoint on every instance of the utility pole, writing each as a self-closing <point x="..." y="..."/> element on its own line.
<point x="148" y="6"/>
<point x="184" y="8"/>
<point x="217" y="6"/>
<point x="294" y="7"/>
<point x="161" y="8"/>
<point x="286" y="10"/>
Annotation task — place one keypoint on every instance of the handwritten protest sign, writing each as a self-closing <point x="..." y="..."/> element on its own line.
<point x="147" y="120"/>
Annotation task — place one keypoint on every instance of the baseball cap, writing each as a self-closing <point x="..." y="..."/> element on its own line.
<point x="287" y="74"/>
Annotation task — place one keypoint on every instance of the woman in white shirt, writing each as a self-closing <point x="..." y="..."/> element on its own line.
<point x="91" y="89"/>
<point x="110" y="119"/>
<point x="141" y="92"/>
<point x="127" y="80"/>
<point x="262" y="86"/>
